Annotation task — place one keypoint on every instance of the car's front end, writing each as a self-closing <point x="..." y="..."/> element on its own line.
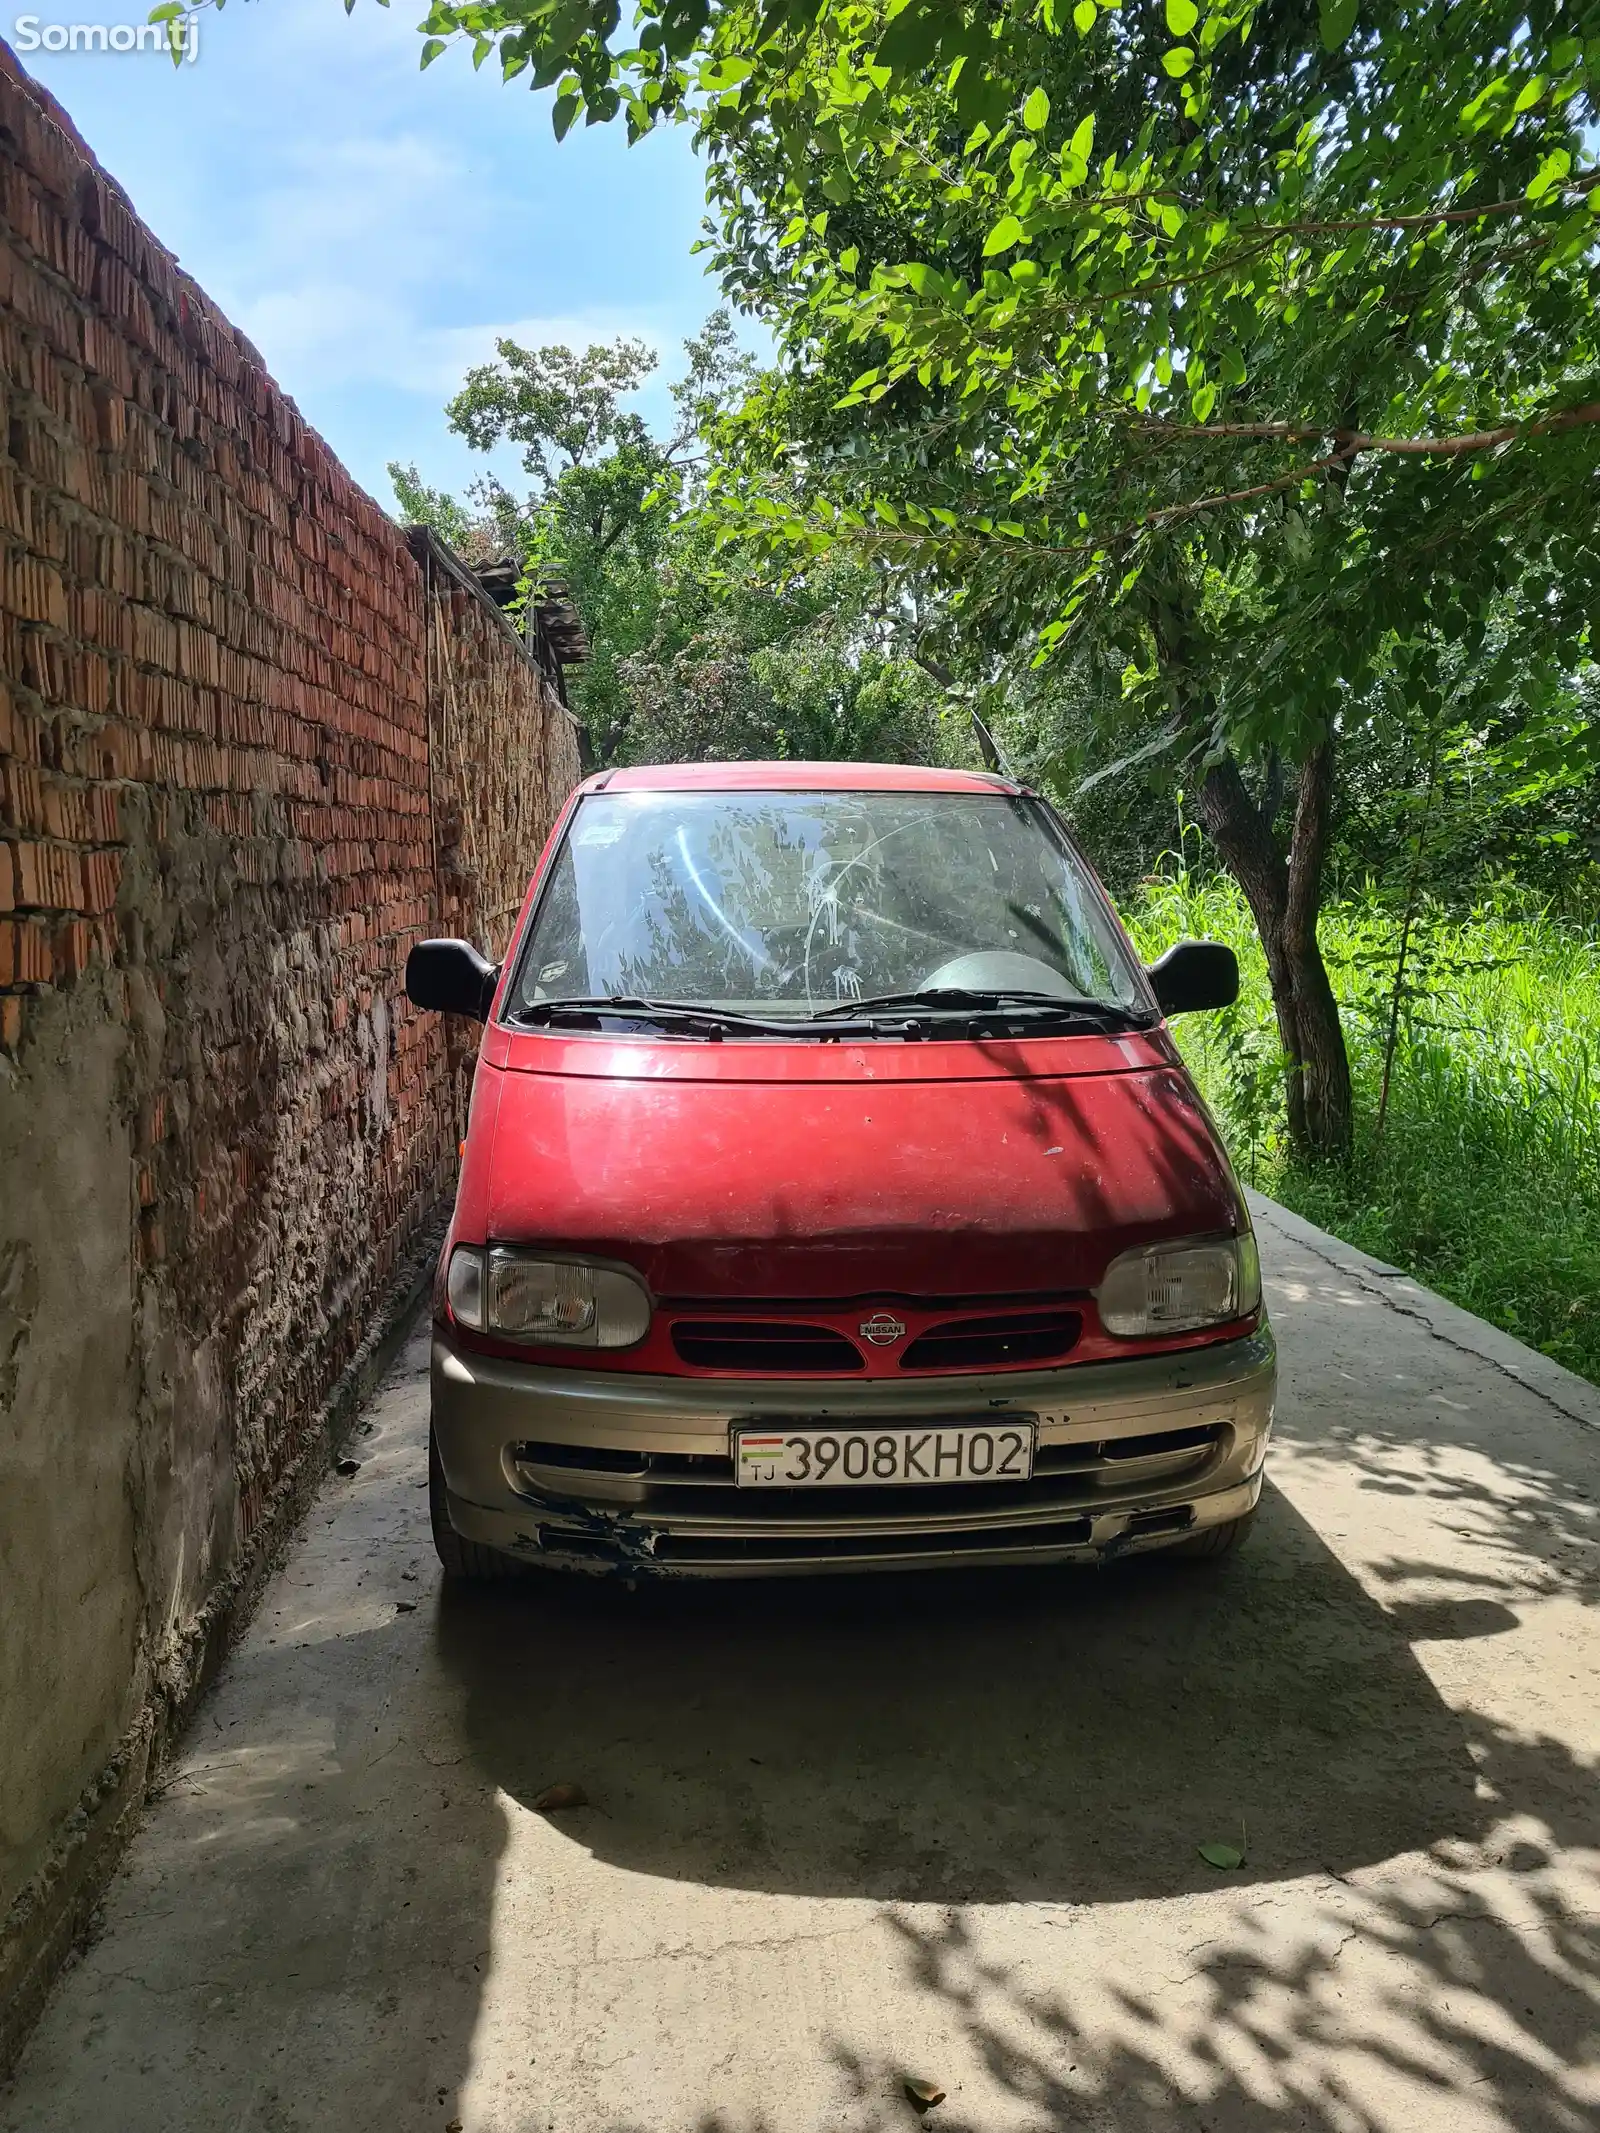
<point x="777" y="1283"/>
<point x="621" y="1471"/>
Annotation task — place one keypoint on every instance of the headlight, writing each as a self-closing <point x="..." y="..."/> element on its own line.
<point x="1175" y="1288"/>
<point x="565" y="1301"/>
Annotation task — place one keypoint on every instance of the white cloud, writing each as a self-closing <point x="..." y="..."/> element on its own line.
<point x="324" y="334"/>
<point x="354" y="253"/>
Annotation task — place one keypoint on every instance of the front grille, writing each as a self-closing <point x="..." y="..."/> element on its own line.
<point x="768" y="1347"/>
<point x="994" y="1343"/>
<point x="700" y="1486"/>
<point x="1160" y="1442"/>
<point x="776" y="1549"/>
<point x="603" y="1459"/>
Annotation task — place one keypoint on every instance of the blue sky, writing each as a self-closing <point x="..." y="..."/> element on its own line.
<point x="372" y="228"/>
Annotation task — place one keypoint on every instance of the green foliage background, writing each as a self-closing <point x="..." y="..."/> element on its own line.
<point x="1485" y="1182"/>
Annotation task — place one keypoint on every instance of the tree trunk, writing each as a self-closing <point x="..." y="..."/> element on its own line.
<point x="1284" y="891"/>
<point x="1285" y="895"/>
<point x="1324" y="1064"/>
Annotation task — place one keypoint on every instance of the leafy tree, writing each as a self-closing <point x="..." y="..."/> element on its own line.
<point x="696" y="649"/>
<point x="451" y="519"/>
<point x="604" y="492"/>
<point x="805" y="664"/>
<point x="564" y="409"/>
<point x="1251" y="342"/>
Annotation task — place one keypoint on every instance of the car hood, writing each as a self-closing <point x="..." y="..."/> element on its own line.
<point x="1020" y="1170"/>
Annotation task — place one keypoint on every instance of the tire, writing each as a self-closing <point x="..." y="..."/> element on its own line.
<point x="1212" y="1541"/>
<point x="464" y="1562"/>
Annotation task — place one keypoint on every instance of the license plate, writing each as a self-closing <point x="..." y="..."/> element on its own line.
<point x="896" y="1455"/>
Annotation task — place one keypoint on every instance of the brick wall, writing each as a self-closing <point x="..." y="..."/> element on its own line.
<point x="251" y="747"/>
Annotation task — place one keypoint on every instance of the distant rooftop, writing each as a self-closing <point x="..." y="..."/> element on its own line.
<point x="555" y="613"/>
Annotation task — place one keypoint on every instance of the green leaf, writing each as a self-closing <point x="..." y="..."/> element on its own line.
<point x="1338" y="20"/>
<point x="431" y="50"/>
<point x="1226" y="1856"/>
<point x="1082" y="143"/>
<point x="1084" y="16"/>
<point x="849" y="259"/>
<point x="1178" y="61"/>
<point x="913" y="36"/>
<point x="565" y="111"/>
<point x="1182" y="15"/>
<point x="1006" y="232"/>
<point x="1036" y="111"/>
<point x="1550" y="173"/>
<point x="725" y="72"/>
<point x="1203" y="399"/>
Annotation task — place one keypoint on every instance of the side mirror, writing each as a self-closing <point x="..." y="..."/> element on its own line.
<point x="1193" y="975"/>
<point x="451" y="978"/>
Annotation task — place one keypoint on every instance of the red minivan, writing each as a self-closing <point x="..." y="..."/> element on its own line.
<point x="834" y="1198"/>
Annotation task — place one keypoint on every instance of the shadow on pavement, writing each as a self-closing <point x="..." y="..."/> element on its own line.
<point x="1067" y="1737"/>
<point x="1433" y="2009"/>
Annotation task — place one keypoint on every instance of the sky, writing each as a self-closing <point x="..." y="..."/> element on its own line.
<point x="373" y="228"/>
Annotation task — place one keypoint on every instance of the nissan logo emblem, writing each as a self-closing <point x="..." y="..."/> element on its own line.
<point x="881" y="1328"/>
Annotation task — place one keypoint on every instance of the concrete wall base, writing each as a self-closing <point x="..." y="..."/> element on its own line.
<point x="55" y="1913"/>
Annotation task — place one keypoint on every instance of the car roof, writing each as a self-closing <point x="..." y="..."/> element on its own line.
<point x="796" y="777"/>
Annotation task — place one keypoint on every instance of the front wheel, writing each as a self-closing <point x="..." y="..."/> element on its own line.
<point x="1212" y="1541"/>
<point x="464" y="1562"/>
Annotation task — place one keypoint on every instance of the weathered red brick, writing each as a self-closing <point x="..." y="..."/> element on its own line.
<point x="24" y="953"/>
<point x="72" y="949"/>
<point x="48" y="877"/>
<point x="21" y="799"/>
<point x="102" y="871"/>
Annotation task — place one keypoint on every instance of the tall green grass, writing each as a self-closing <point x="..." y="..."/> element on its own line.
<point x="1485" y="1181"/>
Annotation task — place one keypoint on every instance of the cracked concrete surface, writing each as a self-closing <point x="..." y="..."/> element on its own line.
<point x="841" y="1834"/>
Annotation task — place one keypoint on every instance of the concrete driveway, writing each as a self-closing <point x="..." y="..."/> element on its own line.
<point x="947" y="1829"/>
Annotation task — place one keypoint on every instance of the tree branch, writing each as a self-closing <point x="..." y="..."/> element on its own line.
<point x="1584" y="181"/>
<point x="1352" y="442"/>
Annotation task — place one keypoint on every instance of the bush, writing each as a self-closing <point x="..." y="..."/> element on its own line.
<point x="1485" y="1179"/>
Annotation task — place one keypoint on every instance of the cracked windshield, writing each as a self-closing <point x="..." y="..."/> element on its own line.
<point x="795" y="902"/>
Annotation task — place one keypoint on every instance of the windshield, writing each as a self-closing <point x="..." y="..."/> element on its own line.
<point x="791" y="904"/>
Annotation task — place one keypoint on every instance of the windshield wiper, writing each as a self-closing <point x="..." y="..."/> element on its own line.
<point x="966" y="1003"/>
<point x="669" y="1014"/>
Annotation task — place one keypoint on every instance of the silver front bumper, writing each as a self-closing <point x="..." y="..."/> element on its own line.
<point x="604" y="1471"/>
